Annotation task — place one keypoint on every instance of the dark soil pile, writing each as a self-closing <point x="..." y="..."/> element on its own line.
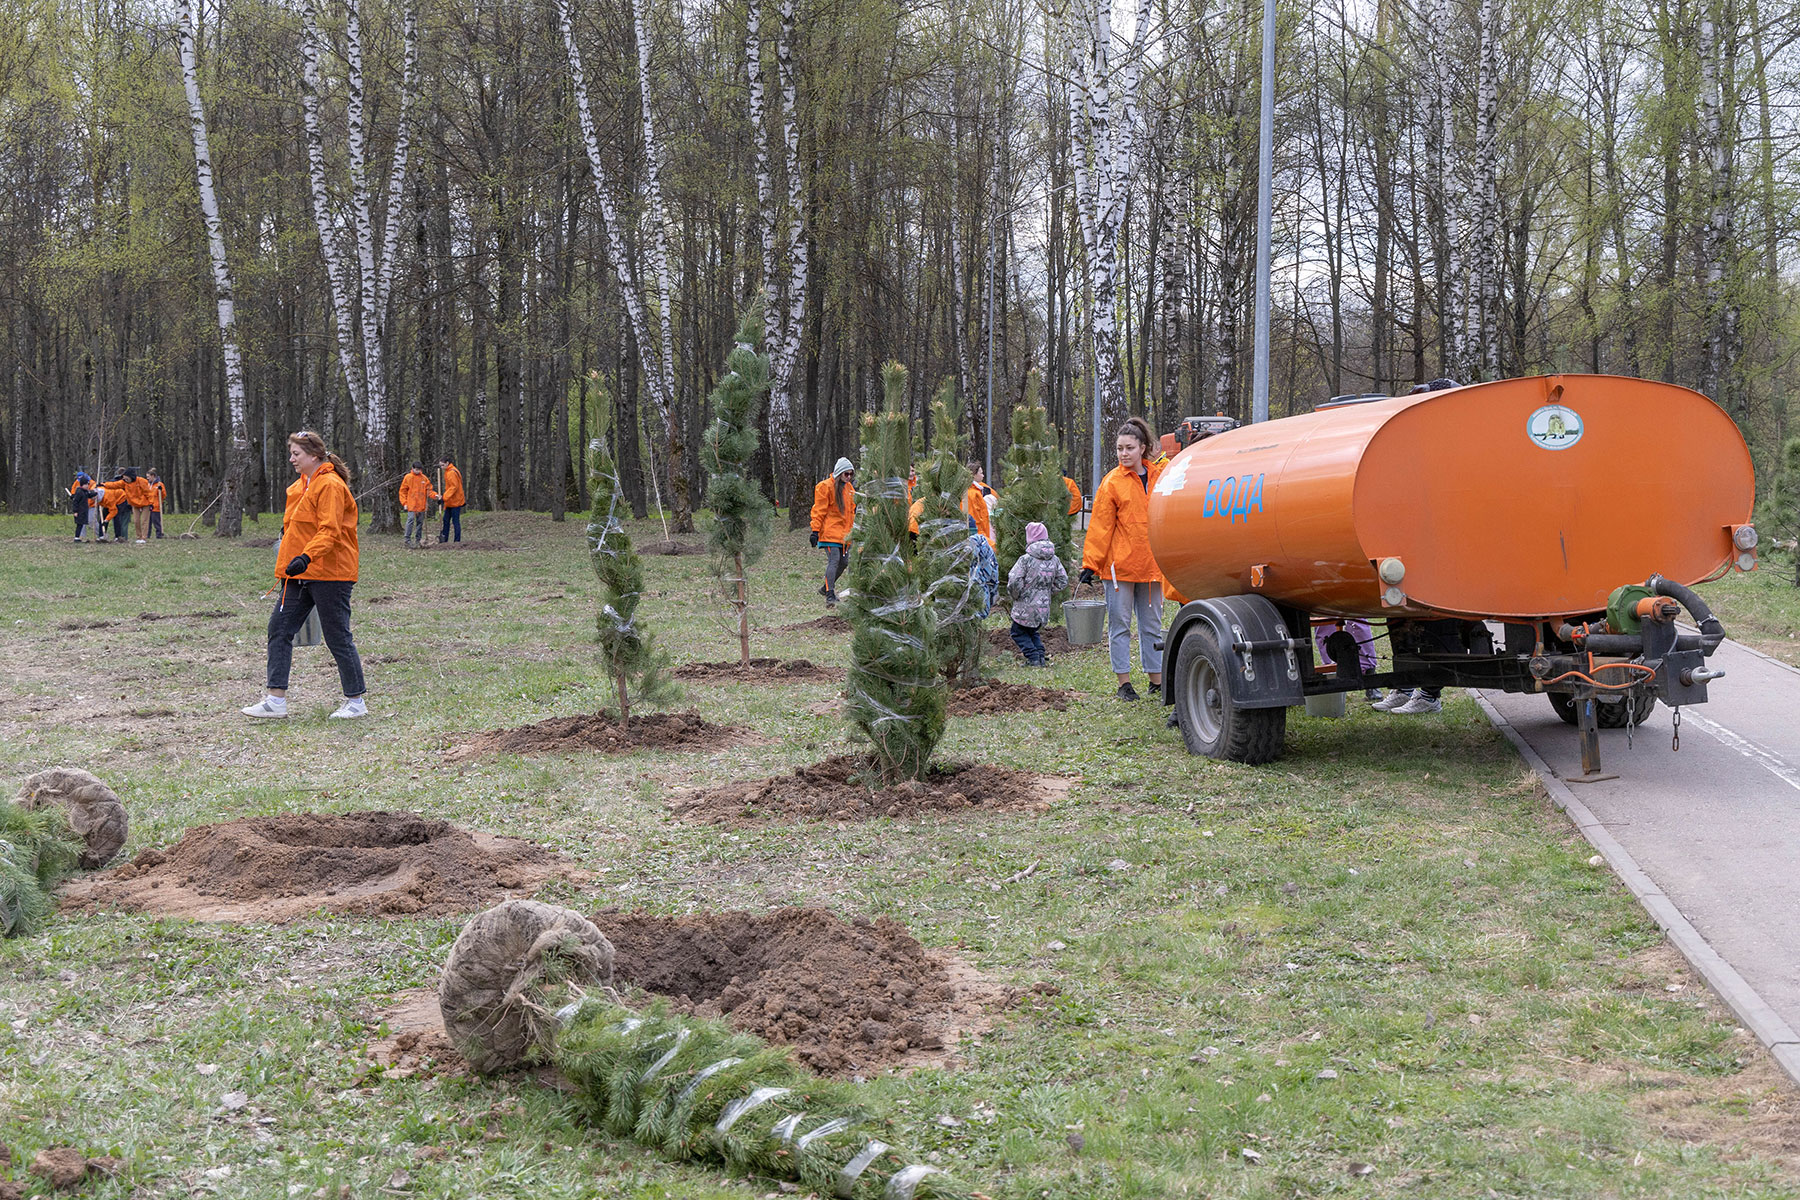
<point x="380" y="864"/>
<point x="605" y="733"/>
<point x="1056" y="641"/>
<point x="762" y="670"/>
<point x="846" y="997"/>
<point x="998" y="697"/>
<point x="204" y="615"/>
<point x="672" y="548"/>
<point x="833" y="790"/>
<point x="829" y="623"/>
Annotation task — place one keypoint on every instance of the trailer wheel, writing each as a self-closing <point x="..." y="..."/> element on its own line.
<point x="1564" y="704"/>
<point x="1211" y="724"/>
<point x="1606" y="716"/>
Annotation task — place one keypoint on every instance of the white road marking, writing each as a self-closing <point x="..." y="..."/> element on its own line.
<point x="1767" y="759"/>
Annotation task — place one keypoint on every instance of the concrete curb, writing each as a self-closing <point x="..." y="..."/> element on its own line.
<point x="1764" y="1022"/>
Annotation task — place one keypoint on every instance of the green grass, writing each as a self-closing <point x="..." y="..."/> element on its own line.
<point x="1761" y="609"/>
<point x="1395" y="902"/>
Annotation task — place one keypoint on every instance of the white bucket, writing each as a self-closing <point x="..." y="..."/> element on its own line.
<point x="1330" y="705"/>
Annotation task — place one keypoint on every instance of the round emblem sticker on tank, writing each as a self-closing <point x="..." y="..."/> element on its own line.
<point x="1554" y="427"/>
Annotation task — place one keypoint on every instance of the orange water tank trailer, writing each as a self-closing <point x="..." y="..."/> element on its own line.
<point x="1521" y="498"/>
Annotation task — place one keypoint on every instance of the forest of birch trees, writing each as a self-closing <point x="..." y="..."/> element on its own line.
<point x="484" y="229"/>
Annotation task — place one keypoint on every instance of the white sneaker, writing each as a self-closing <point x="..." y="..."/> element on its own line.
<point x="270" y="707"/>
<point x="352" y="708"/>
<point x="1393" y="700"/>
<point x="140" y="542"/>
<point x="1420" y="703"/>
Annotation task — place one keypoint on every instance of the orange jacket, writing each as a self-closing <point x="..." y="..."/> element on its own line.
<point x="415" y="491"/>
<point x="138" y="493"/>
<point x="320" y="523"/>
<point x="830" y="522"/>
<point x="975" y="504"/>
<point x="1074" y="495"/>
<point x="1118" y="533"/>
<point x="159" y="495"/>
<point x="453" y="488"/>
<point x="111" y="496"/>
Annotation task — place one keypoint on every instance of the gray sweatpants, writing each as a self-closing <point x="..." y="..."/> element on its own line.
<point x="415" y="528"/>
<point x="1146" y="599"/>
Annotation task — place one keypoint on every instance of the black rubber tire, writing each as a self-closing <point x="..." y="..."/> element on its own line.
<point x="1211" y="725"/>
<point x="1606" y="716"/>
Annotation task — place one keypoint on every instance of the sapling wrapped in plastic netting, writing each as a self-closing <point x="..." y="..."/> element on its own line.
<point x="741" y="513"/>
<point x="894" y="696"/>
<point x="946" y="558"/>
<point x="629" y="651"/>
<point x="1034" y="489"/>
<point x="38" y="850"/>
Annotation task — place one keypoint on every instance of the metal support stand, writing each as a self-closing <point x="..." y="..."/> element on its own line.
<point x="1588" y="730"/>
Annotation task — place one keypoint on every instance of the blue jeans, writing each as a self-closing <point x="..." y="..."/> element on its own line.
<point x="1030" y="641"/>
<point x="1121" y="600"/>
<point x="452" y="516"/>
<point x="332" y="599"/>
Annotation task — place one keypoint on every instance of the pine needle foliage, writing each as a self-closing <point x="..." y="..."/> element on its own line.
<point x="742" y="515"/>
<point x="1778" y="517"/>
<point x="629" y="651"/>
<point x="1034" y="489"/>
<point x="946" y="559"/>
<point x="37" y="852"/>
<point x="894" y="696"/>
<point x="671" y="1082"/>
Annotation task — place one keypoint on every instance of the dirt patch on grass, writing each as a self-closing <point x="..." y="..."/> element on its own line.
<point x="829" y="623"/>
<point x="761" y="670"/>
<point x="605" y="733"/>
<point x="849" y="997"/>
<point x="834" y="790"/>
<point x="414" y="1041"/>
<point x="998" y="697"/>
<point x="258" y="543"/>
<point x="671" y="549"/>
<point x="473" y="544"/>
<point x="1056" y="641"/>
<point x="204" y="615"/>
<point x="378" y="864"/>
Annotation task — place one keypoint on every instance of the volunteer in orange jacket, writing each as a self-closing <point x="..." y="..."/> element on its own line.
<point x="318" y="546"/>
<point x="453" y="499"/>
<point x="159" y="496"/>
<point x="1117" y="551"/>
<point x="415" y="496"/>
<point x="140" y="495"/>
<point x="833" y="516"/>
<point x="976" y="506"/>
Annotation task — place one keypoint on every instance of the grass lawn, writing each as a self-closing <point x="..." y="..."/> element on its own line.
<point x="1386" y="949"/>
<point x="1761" y="609"/>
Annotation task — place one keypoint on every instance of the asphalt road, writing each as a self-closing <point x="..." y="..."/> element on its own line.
<point x="1713" y="827"/>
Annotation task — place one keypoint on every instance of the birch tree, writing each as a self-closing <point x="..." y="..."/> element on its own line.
<point x="231" y="503"/>
<point x="1483" y="339"/>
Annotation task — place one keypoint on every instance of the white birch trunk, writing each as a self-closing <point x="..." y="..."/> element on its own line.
<point x="1443" y="149"/>
<point x="1716" y="237"/>
<point x="1485" y="320"/>
<point x="330" y="248"/>
<point x="231" y="506"/>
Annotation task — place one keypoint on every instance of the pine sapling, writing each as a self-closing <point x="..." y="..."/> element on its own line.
<point x="637" y="667"/>
<point x="741" y="513"/>
<point x="1034" y="488"/>
<point x="1778" y="517"/>
<point x="895" y="697"/>
<point x="946" y="557"/>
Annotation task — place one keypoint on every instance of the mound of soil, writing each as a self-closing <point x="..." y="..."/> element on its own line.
<point x="996" y="696"/>
<point x="829" y="623"/>
<point x="847" y="997"/>
<point x="378" y="864"/>
<point x="833" y="790"/>
<point x="605" y="733"/>
<point x="672" y="548"/>
<point x="1056" y="641"/>
<point x="762" y="670"/>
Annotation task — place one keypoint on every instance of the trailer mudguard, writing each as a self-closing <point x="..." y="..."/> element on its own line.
<point x="1264" y="656"/>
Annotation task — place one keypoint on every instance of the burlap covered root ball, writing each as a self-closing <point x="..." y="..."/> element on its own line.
<point x="95" y="814"/>
<point x="492" y="993"/>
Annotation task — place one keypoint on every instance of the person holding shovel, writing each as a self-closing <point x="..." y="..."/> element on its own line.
<point x="833" y="515"/>
<point x="319" y="561"/>
<point x="1117" y="551"/>
<point x="159" y="496"/>
<point x="450" y="491"/>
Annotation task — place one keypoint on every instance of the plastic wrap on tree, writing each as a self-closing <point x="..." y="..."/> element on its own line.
<point x="739" y="531"/>
<point x="1034" y="489"/>
<point x="636" y="666"/>
<point x="945" y="555"/>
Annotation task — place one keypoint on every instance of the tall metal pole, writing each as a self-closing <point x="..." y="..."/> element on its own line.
<point x="988" y="433"/>
<point x="1265" y="187"/>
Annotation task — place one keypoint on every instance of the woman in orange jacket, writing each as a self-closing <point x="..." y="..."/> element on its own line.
<point x="1117" y="551"/>
<point x="317" y="568"/>
<point x="452" y="497"/>
<point x="833" y="516"/>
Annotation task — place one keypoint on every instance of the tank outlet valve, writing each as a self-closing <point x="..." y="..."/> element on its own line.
<point x="1696" y="675"/>
<point x="1393" y="597"/>
<point x="1744" y="537"/>
<point x="1392" y="570"/>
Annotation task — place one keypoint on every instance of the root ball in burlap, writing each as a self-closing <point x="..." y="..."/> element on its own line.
<point x="95" y="814"/>
<point x="493" y="992"/>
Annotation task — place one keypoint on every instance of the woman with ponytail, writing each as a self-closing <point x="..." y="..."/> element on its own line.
<point x="1116" y="551"/>
<point x="316" y="568"/>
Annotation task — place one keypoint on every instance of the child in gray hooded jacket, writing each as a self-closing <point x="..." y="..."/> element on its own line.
<point x="1037" y="575"/>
